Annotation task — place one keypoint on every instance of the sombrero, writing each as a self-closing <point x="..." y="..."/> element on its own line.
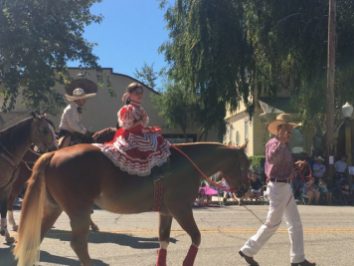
<point x="79" y="94"/>
<point x="80" y="89"/>
<point x="281" y="119"/>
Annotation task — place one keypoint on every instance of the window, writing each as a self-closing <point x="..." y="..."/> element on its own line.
<point x="246" y="129"/>
<point x="237" y="138"/>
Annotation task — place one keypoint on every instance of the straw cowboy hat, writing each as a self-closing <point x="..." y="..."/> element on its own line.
<point x="80" y="89"/>
<point x="281" y="119"/>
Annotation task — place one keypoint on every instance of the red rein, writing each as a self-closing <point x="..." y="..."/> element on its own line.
<point x="208" y="179"/>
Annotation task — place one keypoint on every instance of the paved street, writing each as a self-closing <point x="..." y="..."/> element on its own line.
<point x="131" y="239"/>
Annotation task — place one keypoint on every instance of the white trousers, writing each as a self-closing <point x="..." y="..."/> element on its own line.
<point x="281" y="203"/>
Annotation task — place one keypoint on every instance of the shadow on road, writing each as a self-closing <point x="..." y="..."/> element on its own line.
<point x="6" y="256"/>
<point x="47" y="257"/>
<point x="8" y="259"/>
<point x="115" y="238"/>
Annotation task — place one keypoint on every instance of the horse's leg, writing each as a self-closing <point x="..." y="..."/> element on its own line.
<point x="3" y="223"/>
<point x="51" y="214"/>
<point x="10" y="214"/>
<point x="164" y="238"/>
<point x="184" y="216"/>
<point x="16" y="187"/>
<point x="80" y="223"/>
<point x="12" y="221"/>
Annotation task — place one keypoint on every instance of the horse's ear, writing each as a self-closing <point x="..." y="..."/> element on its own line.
<point x="35" y="114"/>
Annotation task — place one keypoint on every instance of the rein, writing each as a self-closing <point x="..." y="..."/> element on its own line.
<point x="201" y="173"/>
<point x="29" y="164"/>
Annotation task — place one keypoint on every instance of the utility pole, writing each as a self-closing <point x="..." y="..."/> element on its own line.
<point x="330" y="85"/>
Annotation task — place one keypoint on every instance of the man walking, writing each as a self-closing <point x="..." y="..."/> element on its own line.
<point x="279" y="169"/>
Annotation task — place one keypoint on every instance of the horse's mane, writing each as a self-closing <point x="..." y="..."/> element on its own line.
<point x="14" y="133"/>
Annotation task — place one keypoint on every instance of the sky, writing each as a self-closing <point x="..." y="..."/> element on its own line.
<point x="129" y="35"/>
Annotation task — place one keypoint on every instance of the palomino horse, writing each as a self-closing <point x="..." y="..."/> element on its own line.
<point x="14" y="142"/>
<point x="74" y="178"/>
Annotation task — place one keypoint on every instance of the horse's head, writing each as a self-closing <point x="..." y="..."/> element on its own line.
<point x="236" y="171"/>
<point x="42" y="133"/>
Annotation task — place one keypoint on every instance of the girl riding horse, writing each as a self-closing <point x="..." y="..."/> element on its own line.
<point x="136" y="148"/>
<point x="75" y="178"/>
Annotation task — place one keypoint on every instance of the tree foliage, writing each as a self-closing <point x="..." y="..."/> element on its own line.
<point x="176" y="106"/>
<point x="38" y="38"/>
<point x="147" y="74"/>
<point x="208" y="54"/>
<point x="221" y="50"/>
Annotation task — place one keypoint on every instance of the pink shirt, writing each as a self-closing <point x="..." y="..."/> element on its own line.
<point x="279" y="161"/>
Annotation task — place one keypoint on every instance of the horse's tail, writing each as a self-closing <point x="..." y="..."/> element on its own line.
<point x="29" y="233"/>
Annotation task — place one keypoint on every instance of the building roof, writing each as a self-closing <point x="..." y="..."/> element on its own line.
<point x="271" y="105"/>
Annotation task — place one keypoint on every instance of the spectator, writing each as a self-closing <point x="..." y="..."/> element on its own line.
<point x="310" y="189"/>
<point x="324" y="191"/>
<point x="318" y="169"/>
<point x="298" y="182"/>
<point x="205" y="194"/>
<point x="256" y="187"/>
<point x="341" y="168"/>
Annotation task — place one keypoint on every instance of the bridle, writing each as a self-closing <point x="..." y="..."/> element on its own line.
<point x="201" y="173"/>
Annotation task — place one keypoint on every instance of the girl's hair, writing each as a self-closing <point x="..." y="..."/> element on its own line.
<point x="132" y="87"/>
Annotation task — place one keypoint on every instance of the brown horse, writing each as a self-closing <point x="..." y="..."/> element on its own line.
<point x="74" y="178"/>
<point x="24" y="171"/>
<point x="21" y="175"/>
<point x="14" y="142"/>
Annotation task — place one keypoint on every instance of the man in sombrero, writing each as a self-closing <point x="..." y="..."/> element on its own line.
<point x="71" y="128"/>
<point x="279" y="169"/>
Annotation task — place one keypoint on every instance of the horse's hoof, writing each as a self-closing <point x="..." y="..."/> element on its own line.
<point x="10" y="240"/>
<point x="95" y="228"/>
<point x="15" y="227"/>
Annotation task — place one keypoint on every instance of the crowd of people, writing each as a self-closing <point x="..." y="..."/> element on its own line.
<point x="311" y="184"/>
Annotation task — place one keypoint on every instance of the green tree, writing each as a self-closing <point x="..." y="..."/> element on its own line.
<point x="289" y="41"/>
<point x="147" y="74"/>
<point x="208" y="54"/>
<point x="38" y="38"/>
<point x="176" y="106"/>
<point x="221" y="50"/>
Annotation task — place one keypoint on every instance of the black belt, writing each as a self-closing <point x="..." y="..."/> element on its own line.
<point x="275" y="180"/>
